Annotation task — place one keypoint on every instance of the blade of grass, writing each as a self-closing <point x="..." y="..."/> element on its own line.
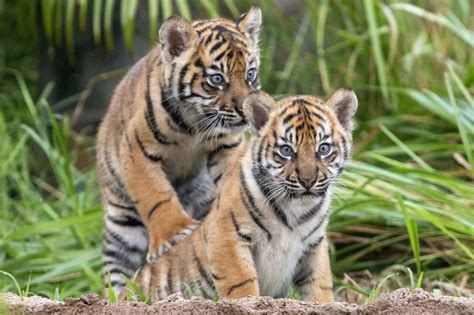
<point x="459" y="30"/>
<point x="96" y="22"/>
<point x="183" y="9"/>
<point x="153" y="20"/>
<point x="108" y="24"/>
<point x="9" y="275"/>
<point x="412" y="229"/>
<point x="369" y="7"/>
<point x="47" y="12"/>
<point x="127" y="19"/>
<point x="462" y="131"/>
<point x="211" y="8"/>
<point x="70" y="7"/>
<point x="230" y="4"/>
<point x="83" y="6"/>
<point x="406" y="149"/>
<point x="167" y="8"/>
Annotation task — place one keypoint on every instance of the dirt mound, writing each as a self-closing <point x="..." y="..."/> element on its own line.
<point x="402" y="301"/>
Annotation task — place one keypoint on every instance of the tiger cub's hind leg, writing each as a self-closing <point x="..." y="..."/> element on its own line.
<point x="122" y="256"/>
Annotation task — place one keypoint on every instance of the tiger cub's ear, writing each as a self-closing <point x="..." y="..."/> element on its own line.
<point x="177" y="36"/>
<point x="257" y="107"/>
<point x="250" y="23"/>
<point x="344" y="103"/>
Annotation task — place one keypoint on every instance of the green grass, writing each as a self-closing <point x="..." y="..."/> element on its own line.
<point x="402" y="213"/>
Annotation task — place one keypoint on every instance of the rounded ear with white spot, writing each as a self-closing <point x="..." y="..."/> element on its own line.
<point x="257" y="108"/>
<point x="177" y="36"/>
<point x="344" y="103"/>
<point x="250" y="23"/>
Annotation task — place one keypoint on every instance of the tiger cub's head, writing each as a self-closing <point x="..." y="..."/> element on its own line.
<point x="209" y="67"/>
<point x="301" y="143"/>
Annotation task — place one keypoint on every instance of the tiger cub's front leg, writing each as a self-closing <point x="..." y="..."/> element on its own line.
<point x="153" y="195"/>
<point x="313" y="279"/>
<point x="230" y="256"/>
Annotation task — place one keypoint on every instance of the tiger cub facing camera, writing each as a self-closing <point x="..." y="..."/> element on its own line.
<point x="266" y="230"/>
<point x="171" y="125"/>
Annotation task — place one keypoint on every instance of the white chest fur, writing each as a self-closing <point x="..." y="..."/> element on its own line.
<point x="277" y="260"/>
<point x="276" y="263"/>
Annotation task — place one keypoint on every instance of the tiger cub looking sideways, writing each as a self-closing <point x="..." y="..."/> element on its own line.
<point x="266" y="230"/>
<point x="171" y="125"/>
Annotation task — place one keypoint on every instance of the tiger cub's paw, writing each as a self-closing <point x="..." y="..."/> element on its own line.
<point x="154" y="254"/>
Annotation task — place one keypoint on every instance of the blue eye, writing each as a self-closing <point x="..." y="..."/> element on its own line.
<point x="324" y="149"/>
<point x="216" y="80"/>
<point x="286" y="150"/>
<point x="251" y="75"/>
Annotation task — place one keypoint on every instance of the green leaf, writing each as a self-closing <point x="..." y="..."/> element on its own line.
<point x="153" y="18"/>
<point x="97" y="21"/>
<point x="70" y="6"/>
<point x="83" y="6"/>
<point x="108" y="24"/>
<point x="369" y="6"/>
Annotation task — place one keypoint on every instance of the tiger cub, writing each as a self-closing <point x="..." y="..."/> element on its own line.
<point x="266" y="230"/>
<point x="172" y="122"/>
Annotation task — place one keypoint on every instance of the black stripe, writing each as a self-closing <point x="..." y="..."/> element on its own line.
<point x="208" y="39"/>
<point x="125" y="221"/>
<point x="248" y="194"/>
<point x="150" y="116"/>
<point x="202" y="271"/>
<point x="301" y="101"/>
<point x="315" y="228"/>
<point x="169" y="281"/>
<point x="238" y="285"/>
<point x="215" y="47"/>
<point x="175" y="116"/>
<point x="243" y="236"/>
<point x="288" y="118"/>
<point x="222" y="147"/>
<point x="129" y="208"/>
<point x="305" y="217"/>
<point x="309" y="249"/>
<point x="181" y="83"/>
<point x="117" y="192"/>
<point x="114" y="283"/>
<point x="217" y="179"/>
<point x="216" y="277"/>
<point x="219" y="57"/>
<point x="193" y="94"/>
<point x="260" y="174"/>
<point x="151" y="157"/>
<point x="254" y="217"/>
<point x="117" y="238"/>
<point x="344" y="146"/>
<point x="302" y="280"/>
<point x="198" y="64"/>
<point x="157" y="205"/>
<point x="117" y="270"/>
<point x="112" y="171"/>
<point x="120" y="257"/>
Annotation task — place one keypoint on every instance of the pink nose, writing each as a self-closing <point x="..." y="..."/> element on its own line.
<point x="307" y="182"/>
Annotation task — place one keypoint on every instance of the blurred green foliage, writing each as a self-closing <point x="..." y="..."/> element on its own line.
<point x="403" y="207"/>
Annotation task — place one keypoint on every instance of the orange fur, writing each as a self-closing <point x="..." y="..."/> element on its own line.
<point x="258" y="238"/>
<point x="170" y="129"/>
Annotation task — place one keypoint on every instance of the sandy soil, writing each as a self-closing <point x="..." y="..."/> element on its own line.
<point x="402" y="301"/>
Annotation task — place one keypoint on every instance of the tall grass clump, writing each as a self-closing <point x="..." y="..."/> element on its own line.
<point x="402" y="214"/>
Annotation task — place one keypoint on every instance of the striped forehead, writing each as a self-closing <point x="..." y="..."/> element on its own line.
<point x="303" y="119"/>
<point x="220" y="30"/>
<point x="223" y="41"/>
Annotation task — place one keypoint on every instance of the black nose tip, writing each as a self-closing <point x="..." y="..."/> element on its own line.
<point x="307" y="182"/>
